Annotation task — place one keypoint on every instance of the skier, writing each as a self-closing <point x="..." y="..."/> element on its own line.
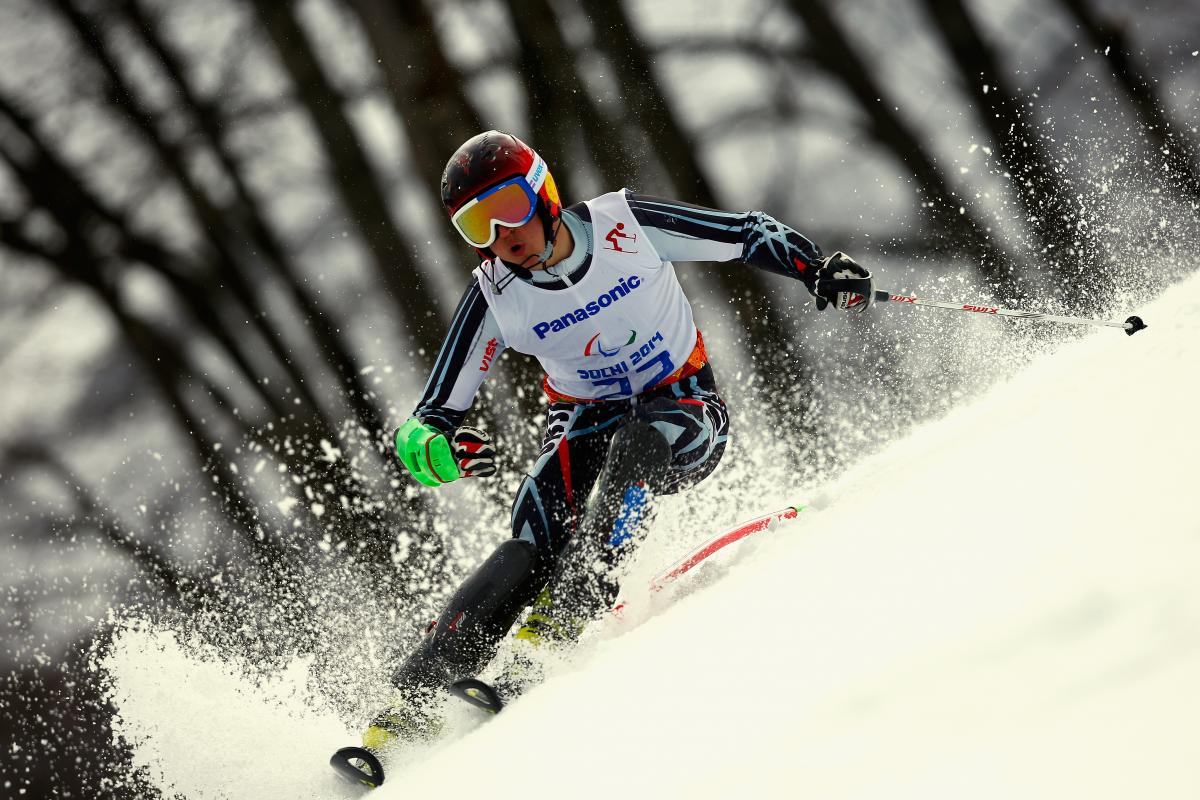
<point x="590" y="291"/>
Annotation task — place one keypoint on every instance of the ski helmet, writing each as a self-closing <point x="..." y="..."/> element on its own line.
<point x="494" y="179"/>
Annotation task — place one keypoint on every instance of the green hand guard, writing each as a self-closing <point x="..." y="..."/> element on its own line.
<point x="426" y="453"/>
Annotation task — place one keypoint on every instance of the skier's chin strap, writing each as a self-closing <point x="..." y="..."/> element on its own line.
<point x="520" y="270"/>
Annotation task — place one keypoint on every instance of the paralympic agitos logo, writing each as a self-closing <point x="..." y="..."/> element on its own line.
<point x="592" y="308"/>
<point x="595" y="346"/>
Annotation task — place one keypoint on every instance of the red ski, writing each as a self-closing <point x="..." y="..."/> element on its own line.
<point x="720" y="541"/>
<point x="716" y="543"/>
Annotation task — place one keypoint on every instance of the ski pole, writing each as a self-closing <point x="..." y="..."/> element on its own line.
<point x="1131" y="326"/>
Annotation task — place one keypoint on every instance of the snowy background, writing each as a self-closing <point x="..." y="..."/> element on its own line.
<point x="225" y="271"/>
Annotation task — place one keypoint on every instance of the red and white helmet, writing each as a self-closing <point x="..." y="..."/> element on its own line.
<point x="494" y="179"/>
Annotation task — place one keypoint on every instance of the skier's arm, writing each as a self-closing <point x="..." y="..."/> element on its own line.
<point x="433" y="444"/>
<point x="685" y="232"/>
<point x="473" y="342"/>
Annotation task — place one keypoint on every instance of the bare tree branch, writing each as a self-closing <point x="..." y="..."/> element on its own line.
<point x="355" y="180"/>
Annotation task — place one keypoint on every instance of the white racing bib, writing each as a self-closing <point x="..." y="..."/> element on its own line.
<point x="622" y="328"/>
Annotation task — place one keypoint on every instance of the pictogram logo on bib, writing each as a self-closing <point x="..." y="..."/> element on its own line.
<point x="615" y="236"/>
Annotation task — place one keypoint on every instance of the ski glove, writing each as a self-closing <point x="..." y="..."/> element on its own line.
<point x="474" y="453"/>
<point x="425" y="453"/>
<point x="844" y="283"/>
<point x="429" y="456"/>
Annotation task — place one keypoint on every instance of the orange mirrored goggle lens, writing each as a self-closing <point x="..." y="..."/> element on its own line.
<point x="511" y="204"/>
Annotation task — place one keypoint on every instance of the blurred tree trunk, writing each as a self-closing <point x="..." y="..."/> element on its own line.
<point x="182" y="589"/>
<point x="210" y="220"/>
<point x="370" y="538"/>
<point x="1171" y="141"/>
<point x="1075" y="266"/>
<point x="562" y="110"/>
<point x="962" y="234"/>
<point x="426" y="88"/>
<point x="52" y="185"/>
<point x="328" y="472"/>
<point x="163" y="361"/>
<point x="749" y="291"/>
<point x="78" y="261"/>
<point x="430" y="99"/>
<point x="96" y="241"/>
<point x="355" y="180"/>
<point x="642" y="96"/>
<point x="336" y="351"/>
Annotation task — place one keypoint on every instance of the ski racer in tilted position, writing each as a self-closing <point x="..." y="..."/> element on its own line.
<point x="590" y="291"/>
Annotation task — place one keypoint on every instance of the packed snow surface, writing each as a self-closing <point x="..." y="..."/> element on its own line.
<point x="1003" y="604"/>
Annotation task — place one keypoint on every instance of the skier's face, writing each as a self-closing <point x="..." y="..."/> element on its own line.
<point x="521" y="245"/>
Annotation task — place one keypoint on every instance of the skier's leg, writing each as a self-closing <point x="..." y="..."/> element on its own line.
<point x="585" y="583"/>
<point x="670" y="440"/>
<point x="458" y="643"/>
<point x="547" y="508"/>
<point x="463" y="637"/>
<point x="693" y="419"/>
<point x="552" y="499"/>
<point x="551" y="504"/>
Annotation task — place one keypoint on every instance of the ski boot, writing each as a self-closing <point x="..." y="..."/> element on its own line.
<point x="405" y="721"/>
<point x="539" y="630"/>
<point x="544" y="629"/>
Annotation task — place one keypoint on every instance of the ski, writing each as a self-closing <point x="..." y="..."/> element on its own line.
<point x="358" y="765"/>
<point x="720" y="541"/>
<point x="706" y="549"/>
<point x="479" y="694"/>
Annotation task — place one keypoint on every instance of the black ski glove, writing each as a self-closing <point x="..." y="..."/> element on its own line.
<point x="474" y="453"/>
<point x="844" y="283"/>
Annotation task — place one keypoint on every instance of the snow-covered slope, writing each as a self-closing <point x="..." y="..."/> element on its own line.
<point x="1004" y="604"/>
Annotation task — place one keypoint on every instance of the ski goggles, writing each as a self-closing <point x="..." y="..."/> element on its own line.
<point x="510" y="204"/>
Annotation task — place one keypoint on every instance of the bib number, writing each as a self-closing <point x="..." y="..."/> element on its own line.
<point x="662" y="362"/>
<point x="645" y="359"/>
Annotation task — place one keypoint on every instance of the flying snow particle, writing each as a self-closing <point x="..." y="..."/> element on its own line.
<point x="331" y="453"/>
